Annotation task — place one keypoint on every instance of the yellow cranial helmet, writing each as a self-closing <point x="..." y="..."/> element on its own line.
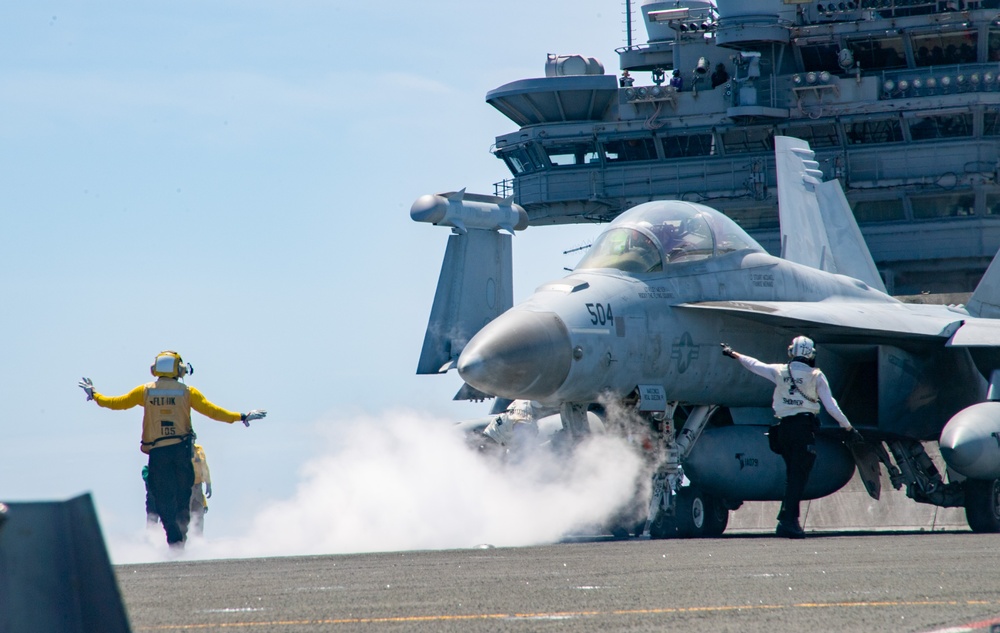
<point x="168" y="364"/>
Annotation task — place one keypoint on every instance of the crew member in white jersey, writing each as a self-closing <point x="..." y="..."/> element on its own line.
<point x="799" y="389"/>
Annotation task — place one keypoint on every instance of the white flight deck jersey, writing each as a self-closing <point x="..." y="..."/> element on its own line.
<point x="800" y="396"/>
<point x="811" y="389"/>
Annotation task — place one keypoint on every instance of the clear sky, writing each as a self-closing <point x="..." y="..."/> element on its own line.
<point x="232" y="179"/>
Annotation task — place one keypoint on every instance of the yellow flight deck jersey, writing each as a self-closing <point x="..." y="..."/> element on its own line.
<point x="201" y="473"/>
<point x="167" y="405"/>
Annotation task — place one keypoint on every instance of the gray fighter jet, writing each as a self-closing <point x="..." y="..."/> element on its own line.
<point x="636" y="327"/>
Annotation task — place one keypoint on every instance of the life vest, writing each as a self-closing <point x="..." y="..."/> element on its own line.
<point x="799" y="395"/>
<point x="167" y="417"/>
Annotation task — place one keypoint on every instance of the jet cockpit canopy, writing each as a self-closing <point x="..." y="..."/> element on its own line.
<point x="654" y="235"/>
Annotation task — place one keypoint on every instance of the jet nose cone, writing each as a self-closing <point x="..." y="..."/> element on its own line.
<point x="520" y="354"/>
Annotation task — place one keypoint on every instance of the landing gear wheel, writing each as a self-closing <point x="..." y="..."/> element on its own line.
<point x="690" y="513"/>
<point x="982" y="505"/>
<point x="716" y="517"/>
<point x="700" y="514"/>
<point x="625" y="530"/>
<point x="697" y="514"/>
<point x="663" y="527"/>
<point x="619" y="531"/>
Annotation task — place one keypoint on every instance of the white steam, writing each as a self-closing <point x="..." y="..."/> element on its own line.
<point x="408" y="481"/>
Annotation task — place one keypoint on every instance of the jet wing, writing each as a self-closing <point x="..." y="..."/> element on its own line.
<point x="831" y="321"/>
<point x="977" y="333"/>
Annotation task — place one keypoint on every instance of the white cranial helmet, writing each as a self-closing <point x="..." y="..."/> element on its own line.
<point x="802" y="347"/>
<point x="520" y="411"/>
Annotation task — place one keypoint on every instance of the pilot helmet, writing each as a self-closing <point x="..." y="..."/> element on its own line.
<point x="168" y="364"/>
<point x="802" y="347"/>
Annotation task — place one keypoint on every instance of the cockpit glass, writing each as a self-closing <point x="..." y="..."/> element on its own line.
<point x="656" y="234"/>
<point x="624" y="249"/>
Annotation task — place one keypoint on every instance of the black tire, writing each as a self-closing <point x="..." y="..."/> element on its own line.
<point x="700" y="514"/>
<point x="690" y="513"/>
<point x="982" y="505"/>
<point x="619" y="531"/>
<point x="716" y="517"/>
<point x="663" y="527"/>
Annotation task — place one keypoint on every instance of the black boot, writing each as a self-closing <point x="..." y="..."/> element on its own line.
<point x="790" y="528"/>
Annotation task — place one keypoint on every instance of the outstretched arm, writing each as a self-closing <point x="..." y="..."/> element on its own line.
<point x="771" y="372"/>
<point x="133" y="398"/>
<point x="830" y="403"/>
<point x="202" y="405"/>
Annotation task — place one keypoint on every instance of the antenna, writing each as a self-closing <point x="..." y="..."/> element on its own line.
<point x="628" y="23"/>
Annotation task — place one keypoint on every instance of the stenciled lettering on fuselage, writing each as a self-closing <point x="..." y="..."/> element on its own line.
<point x="600" y="313"/>
<point x="684" y="351"/>
<point x="747" y="462"/>
<point x="656" y="292"/>
<point x="762" y="280"/>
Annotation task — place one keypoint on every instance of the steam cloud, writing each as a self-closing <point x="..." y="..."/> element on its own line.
<point x="409" y="481"/>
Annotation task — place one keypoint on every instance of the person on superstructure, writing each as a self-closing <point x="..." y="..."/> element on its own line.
<point x="799" y="389"/>
<point x="168" y="437"/>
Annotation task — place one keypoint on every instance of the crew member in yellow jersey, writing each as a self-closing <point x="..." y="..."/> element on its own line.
<point x="167" y="436"/>
<point x="200" y="494"/>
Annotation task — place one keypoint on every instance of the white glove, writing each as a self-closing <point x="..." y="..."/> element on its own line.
<point x="256" y="414"/>
<point x="208" y="491"/>
<point x="88" y="387"/>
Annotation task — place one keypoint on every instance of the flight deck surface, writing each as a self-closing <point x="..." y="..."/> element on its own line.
<point x="904" y="581"/>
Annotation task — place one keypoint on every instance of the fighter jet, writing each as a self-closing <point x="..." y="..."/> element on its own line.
<point x="638" y="325"/>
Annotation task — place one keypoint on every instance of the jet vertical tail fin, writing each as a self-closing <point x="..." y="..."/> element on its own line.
<point x="985" y="301"/>
<point x="476" y="281"/>
<point x="818" y="228"/>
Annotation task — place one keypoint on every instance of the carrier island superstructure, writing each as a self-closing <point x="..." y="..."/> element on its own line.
<point x="900" y="99"/>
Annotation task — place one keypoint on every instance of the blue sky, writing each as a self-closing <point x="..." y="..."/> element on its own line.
<point x="233" y="180"/>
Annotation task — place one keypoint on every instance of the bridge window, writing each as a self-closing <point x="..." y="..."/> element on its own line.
<point x="749" y="139"/>
<point x="991" y="124"/>
<point x="519" y="160"/>
<point x="688" y="145"/>
<point x="873" y="131"/>
<point x="993" y="203"/>
<point x="945" y="126"/>
<point x="871" y="211"/>
<point x="946" y="206"/>
<point x="570" y="154"/>
<point x="818" y="135"/>
<point x="629" y="149"/>
<point x="939" y="49"/>
<point x="821" y="57"/>
<point x="883" y="53"/>
<point x="755" y="218"/>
